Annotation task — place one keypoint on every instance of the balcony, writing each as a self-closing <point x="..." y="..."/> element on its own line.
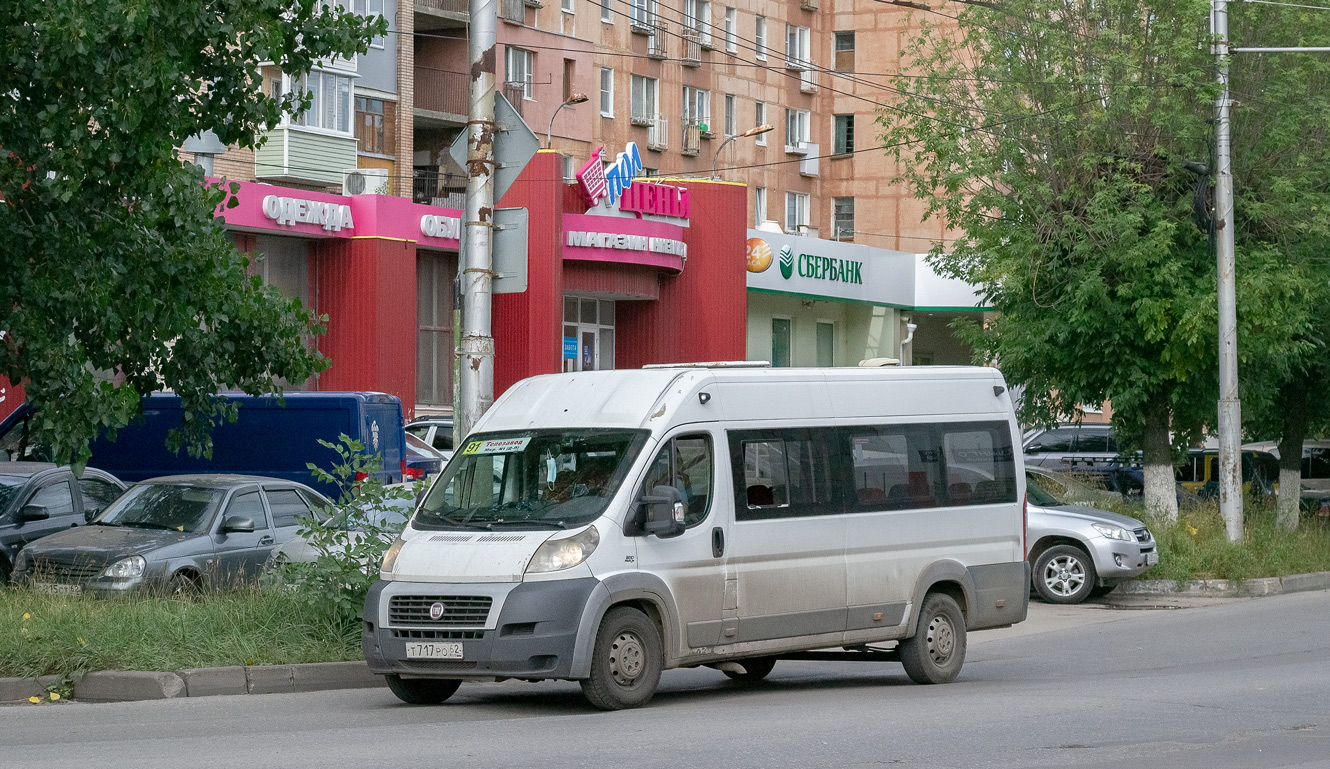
<point x="656" y="43"/>
<point x="513" y="11"/>
<point x="442" y="14"/>
<point x="658" y="133"/>
<point x="808" y="81"/>
<point x="442" y="96"/>
<point x="795" y="63"/>
<point x="515" y="93"/>
<point x="641" y="120"/>
<point x="435" y="187"/>
<point x="692" y="140"/>
<point x="808" y="164"/>
<point x="641" y="23"/>
<point x="692" y="48"/>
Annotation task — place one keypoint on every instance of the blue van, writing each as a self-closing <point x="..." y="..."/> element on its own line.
<point x="267" y="438"/>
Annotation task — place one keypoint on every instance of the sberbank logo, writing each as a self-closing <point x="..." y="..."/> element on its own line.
<point x="786" y="262"/>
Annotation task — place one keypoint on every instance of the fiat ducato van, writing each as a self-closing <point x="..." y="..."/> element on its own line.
<point x="606" y="526"/>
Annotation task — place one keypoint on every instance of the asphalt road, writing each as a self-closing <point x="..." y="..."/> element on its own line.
<point x="1219" y="683"/>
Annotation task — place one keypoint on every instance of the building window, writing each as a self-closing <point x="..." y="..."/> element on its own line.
<point x="588" y="334"/>
<point x="796" y="129"/>
<point x="644" y="106"/>
<point x="759" y="205"/>
<point x="642" y="13"/>
<point x="780" y="342"/>
<point x="697" y="107"/>
<point x="796" y="211"/>
<point x="760" y="38"/>
<point x="376" y="125"/>
<point x="697" y="17"/>
<point x="842" y="218"/>
<point x="731" y="31"/>
<point x="371" y="9"/>
<point x="826" y="344"/>
<point x="843" y="141"/>
<point x="607" y="11"/>
<point x="607" y="92"/>
<point x="760" y="116"/>
<point x="520" y="69"/>
<point x="729" y="115"/>
<point x="567" y="19"/>
<point x="844" y="45"/>
<point x="434" y="328"/>
<point x="330" y="102"/>
<point x="796" y="46"/>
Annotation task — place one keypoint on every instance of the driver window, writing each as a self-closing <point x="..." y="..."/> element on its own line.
<point x="685" y="463"/>
<point x="56" y="498"/>
<point x="248" y="505"/>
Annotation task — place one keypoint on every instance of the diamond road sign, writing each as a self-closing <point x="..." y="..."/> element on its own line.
<point x="514" y="146"/>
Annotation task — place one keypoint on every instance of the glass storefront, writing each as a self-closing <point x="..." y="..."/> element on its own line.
<point x="588" y="334"/>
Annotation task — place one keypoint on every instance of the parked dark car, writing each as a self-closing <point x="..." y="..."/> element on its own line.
<point x="173" y="534"/>
<point x="39" y="498"/>
<point x="422" y="461"/>
<point x="1071" y="446"/>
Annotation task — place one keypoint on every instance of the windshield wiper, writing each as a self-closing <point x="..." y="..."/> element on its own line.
<point x="531" y="521"/>
<point x="146" y="525"/>
<point x="485" y="526"/>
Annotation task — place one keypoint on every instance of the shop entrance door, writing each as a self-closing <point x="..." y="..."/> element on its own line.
<point x="588" y="334"/>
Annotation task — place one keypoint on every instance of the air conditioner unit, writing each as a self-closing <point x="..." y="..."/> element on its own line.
<point x="365" y="181"/>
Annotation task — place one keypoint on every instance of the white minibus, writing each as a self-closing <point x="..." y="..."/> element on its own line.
<point x="606" y="526"/>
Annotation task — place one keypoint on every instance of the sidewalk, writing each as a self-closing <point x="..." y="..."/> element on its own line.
<point x="119" y="686"/>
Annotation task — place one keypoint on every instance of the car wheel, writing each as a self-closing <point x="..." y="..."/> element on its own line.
<point x="626" y="662"/>
<point x="936" y="651"/>
<point x="184" y="585"/>
<point x="755" y="669"/>
<point x="422" y="691"/>
<point x="1064" y="574"/>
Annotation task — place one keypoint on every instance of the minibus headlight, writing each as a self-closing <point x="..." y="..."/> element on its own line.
<point x="560" y="554"/>
<point x="126" y="568"/>
<point x="1114" y="532"/>
<point x="390" y="557"/>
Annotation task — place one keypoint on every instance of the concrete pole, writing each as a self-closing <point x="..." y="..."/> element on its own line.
<point x="1230" y="407"/>
<point x="476" y="351"/>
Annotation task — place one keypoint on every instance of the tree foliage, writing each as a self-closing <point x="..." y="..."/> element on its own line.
<point x="1063" y="139"/>
<point x="115" y="279"/>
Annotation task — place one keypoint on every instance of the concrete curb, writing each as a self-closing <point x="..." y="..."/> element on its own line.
<point x="1294" y="583"/>
<point x="131" y="685"/>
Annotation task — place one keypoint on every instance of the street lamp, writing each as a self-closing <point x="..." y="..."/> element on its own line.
<point x="754" y="131"/>
<point x="574" y="98"/>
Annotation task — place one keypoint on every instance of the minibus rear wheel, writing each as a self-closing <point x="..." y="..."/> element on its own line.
<point x="936" y="651"/>
<point x="422" y="691"/>
<point x="626" y="662"/>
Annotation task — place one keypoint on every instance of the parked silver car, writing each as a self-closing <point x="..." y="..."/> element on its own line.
<point x="174" y="534"/>
<point x="1079" y="552"/>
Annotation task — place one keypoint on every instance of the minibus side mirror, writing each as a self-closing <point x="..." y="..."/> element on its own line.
<point x="665" y="511"/>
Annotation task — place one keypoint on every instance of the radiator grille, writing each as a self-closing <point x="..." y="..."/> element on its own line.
<point x="68" y="570"/>
<point x="457" y="610"/>
<point x="438" y="635"/>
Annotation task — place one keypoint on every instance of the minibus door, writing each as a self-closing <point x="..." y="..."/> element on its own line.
<point x="692" y="564"/>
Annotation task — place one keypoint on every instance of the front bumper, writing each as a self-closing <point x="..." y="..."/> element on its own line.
<point x="530" y="630"/>
<point x="1116" y="561"/>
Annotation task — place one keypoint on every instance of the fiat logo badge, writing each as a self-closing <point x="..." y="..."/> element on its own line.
<point x="435" y="610"/>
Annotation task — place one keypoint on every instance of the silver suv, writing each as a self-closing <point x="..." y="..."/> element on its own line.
<point x="1079" y="552"/>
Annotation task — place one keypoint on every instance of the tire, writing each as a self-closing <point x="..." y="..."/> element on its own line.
<point x="422" y="691"/>
<point x="184" y="585"/>
<point x="6" y="571"/>
<point x="626" y="662"/>
<point x="1064" y="574"/>
<point x="936" y="651"/>
<point x="755" y="669"/>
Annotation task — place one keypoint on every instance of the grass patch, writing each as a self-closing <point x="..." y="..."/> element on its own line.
<point x="1196" y="546"/>
<point x="65" y="635"/>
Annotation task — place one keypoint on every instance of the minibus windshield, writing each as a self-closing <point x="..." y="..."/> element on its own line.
<point x="530" y="480"/>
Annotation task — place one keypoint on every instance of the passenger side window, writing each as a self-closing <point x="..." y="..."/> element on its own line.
<point x="443" y="438"/>
<point x="783" y="474"/>
<point x="685" y="464"/>
<point x="97" y="494"/>
<point x="1092" y="441"/>
<point x="57" y="498"/>
<point x="287" y="507"/>
<point x="248" y="505"/>
<point x="896" y="467"/>
<point x="1052" y="441"/>
<point x="980" y="464"/>
<point x="1317" y="464"/>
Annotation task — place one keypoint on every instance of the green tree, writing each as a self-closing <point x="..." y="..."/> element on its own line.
<point x="1062" y="139"/>
<point x="115" y="279"/>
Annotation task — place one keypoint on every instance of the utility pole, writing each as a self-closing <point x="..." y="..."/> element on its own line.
<point x="476" y="351"/>
<point x="1230" y="407"/>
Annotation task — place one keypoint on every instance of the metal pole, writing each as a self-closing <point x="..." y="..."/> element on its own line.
<point x="1230" y="408"/>
<point x="476" y="351"/>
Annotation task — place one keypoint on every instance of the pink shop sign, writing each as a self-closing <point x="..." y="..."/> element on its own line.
<point x="624" y="241"/>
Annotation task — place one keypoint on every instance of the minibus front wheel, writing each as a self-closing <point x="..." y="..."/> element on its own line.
<point x="936" y="651"/>
<point x="626" y="662"/>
